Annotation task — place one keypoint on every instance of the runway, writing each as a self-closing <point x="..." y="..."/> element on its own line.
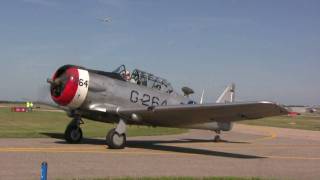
<point x="247" y="151"/>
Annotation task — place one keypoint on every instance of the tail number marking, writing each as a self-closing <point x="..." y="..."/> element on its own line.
<point x="146" y="99"/>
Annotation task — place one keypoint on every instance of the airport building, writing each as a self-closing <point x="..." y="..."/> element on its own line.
<point x="301" y="109"/>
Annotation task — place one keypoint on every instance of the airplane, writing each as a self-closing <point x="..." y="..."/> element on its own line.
<point x="105" y="20"/>
<point x="141" y="98"/>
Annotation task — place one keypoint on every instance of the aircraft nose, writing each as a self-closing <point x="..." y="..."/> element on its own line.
<point x="64" y="85"/>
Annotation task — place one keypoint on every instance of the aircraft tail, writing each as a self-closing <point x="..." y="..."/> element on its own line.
<point x="202" y="96"/>
<point x="228" y="94"/>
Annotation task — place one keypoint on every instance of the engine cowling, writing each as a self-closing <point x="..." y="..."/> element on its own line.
<point x="69" y="86"/>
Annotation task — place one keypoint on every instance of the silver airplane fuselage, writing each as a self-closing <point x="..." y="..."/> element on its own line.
<point x="107" y="91"/>
<point x="143" y="99"/>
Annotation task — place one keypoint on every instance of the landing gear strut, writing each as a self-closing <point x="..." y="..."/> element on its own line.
<point x="217" y="137"/>
<point x="116" y="137"/>
<point x="73" y="132"/>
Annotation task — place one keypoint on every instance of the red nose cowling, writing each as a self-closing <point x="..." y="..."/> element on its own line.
<point x="64" y="92"/>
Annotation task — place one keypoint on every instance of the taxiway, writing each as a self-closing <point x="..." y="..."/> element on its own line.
<point x="247" y="151"/>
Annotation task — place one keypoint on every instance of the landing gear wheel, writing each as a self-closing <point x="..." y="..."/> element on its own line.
<point x="217" y="139"/>
<point x="115" y="140"/>
<point x="73" y="134"/>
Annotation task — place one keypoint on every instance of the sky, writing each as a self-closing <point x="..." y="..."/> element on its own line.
<point x="269" y="48"/>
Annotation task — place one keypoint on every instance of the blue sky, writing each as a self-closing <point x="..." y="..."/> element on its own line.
<point x="270" y="48"/>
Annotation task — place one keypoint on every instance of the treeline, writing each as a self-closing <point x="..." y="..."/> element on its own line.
<point x="11" y="102"/>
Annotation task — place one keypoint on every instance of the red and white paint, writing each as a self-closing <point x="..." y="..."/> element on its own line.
<point x="75" y="89"/>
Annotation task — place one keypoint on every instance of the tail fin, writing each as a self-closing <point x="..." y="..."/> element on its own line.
<point x="228" y="94"/>
<point x="202" y="97"/>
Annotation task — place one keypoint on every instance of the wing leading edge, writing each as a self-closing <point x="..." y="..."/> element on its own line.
<point x="194" y="114"/>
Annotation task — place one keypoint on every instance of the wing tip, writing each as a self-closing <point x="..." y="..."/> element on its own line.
<point x="281" y="107"/>
<point x="267" y="102"/>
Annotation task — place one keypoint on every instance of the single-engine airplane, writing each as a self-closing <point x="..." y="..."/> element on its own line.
<point x="141" y="98"/>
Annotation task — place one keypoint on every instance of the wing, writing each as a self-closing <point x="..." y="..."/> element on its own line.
<point x="193" y="114"/>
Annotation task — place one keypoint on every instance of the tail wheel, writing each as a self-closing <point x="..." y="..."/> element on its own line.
<point x="217" y="138"/>
<point x="73" y="134"/>
<point x="115" y="140"/>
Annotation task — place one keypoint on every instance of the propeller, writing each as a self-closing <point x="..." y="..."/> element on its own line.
<point x="44" y="95"/>
<point x="59" y="80"/>
<point x="57" y="84"/>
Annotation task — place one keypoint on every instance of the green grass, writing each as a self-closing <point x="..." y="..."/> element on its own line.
<point x="176" y="178"/>
<point x="307" y="122"/>
<point x="38" y="124"/>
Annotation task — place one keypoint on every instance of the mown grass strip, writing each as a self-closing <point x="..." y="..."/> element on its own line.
<point x="44" y="124"/>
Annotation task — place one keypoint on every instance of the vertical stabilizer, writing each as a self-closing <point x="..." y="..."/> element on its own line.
<point x="202" y="96"/>
<point x="228" y="94"/>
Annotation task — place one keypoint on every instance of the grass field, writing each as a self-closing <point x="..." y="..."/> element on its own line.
<point x="40" y="124"/>
<point x="307" y="121"/>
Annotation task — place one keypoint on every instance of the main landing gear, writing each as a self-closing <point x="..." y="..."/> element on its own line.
<point x="73" y="132"/>
<point x="116" y="138"/>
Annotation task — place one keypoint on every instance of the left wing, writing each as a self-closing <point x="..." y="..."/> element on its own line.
<point x="194" y="114"/>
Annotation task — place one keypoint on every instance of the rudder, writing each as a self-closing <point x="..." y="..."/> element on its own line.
<point x="228" y="94"/>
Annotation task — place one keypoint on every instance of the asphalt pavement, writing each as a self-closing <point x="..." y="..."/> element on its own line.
<point x="246" y="151"/>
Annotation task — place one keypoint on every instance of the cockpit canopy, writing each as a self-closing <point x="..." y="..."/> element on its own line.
<point x="143" y="78"/>
<point x="149" y="80"/>
<point x="120" y="70"/>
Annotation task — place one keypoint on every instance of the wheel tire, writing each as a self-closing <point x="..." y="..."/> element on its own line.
<point x="217" y="138"/>
<point x="73" y="134"/>
<point x="116" y="141"/>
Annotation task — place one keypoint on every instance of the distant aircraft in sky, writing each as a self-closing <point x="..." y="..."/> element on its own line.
<point x="105" y="20"/>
